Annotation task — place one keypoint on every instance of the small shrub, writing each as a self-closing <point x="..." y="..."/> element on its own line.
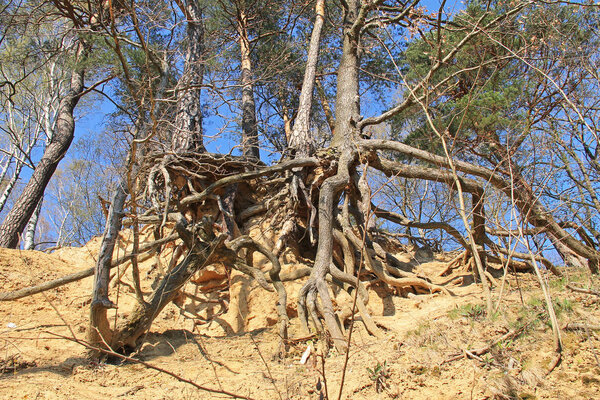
<point x="379" y="376"/>
<point x="471" y="311"/>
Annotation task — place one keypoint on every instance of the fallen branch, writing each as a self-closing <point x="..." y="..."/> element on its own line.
<point x="31" y="290"/>
<point x="525" y="256"/>
<point x="578" y="326"/>
<point x="475" y="353"/>
<point x="582" y="290"/>
<point x="149" y="366"/>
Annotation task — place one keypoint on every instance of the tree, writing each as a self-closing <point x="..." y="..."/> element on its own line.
<point x="509" y="89"/>
<point x="343" y="181"/>
<point x="471" y="94"/>
<point x="188" y="117"/>
<point x="17" y="219"/>
<point x="34" y="61"/>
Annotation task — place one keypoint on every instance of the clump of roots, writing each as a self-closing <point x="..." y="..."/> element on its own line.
<point x="222" y="206"/>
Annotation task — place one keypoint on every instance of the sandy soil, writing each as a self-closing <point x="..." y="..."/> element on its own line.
<point x="201" y="343"/>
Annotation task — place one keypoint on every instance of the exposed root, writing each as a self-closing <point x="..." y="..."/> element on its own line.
<point x="251" y="244"/>
<point x="256" y="273"/>
<point x="317" y="284"/>
<point x="377" y="268"/>
<point x="202" y="251"/>
<point x="456" y="262"/>
<point x="230" y="190"/>
<point x="286" y="231"/>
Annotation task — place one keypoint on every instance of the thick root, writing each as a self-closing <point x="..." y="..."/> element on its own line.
<point x="275" y="279"/>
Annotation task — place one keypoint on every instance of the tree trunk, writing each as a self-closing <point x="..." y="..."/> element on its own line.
<point x="6" y="165"/>
<point x="100" y="332"/>
<point x="202" y="248"/>
<point x="347" y="110"/>
<point x="11" y="184"/>
<point x="479" y="235"/>
<point x="347" y="103"/>
<point x="249" y="124"/>
<point x="19" y="215"/>
<point x="25" y="154"/>
<point x="300" y="140"/>
<point x="31" y="226"/>
<point x="188" y="118"/>
<point x="326" y="107"/>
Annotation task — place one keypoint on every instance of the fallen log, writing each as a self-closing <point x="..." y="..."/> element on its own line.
<point x="31" y="290"/>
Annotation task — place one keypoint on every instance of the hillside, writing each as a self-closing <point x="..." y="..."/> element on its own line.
<point x="415" y="359"/>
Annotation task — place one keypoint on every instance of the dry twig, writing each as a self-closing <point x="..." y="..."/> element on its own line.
<point x="148" y="365"/>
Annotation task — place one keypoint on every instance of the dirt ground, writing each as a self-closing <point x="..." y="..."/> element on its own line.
<point x="229" y="349"/>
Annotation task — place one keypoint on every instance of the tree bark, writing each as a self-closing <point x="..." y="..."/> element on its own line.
<point x="188" y="118"/>
<point x="19" y="215"/>
<point x="249" y="124"/>
<point x="31" y="226"/>
<point x="347" y="103"/>
<point x="100" y="333"/>
<point x="300" y="139"/>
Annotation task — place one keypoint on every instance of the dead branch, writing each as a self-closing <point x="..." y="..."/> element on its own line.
<point x="580" y="326"/>
<point x="524" y="256"/>
<point x="482" y="350"/>
<point x="582" y="290"/>
<point x="31" y="290"/>
<point x="148" y="365"/>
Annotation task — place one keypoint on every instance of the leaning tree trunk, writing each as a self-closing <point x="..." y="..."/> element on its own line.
<point x="249" y="124"/>
<point x="188" y="118"/>
<point x="19" y="215"/>
<point x="187" y="137"/>
<point x="99" y="333"/>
